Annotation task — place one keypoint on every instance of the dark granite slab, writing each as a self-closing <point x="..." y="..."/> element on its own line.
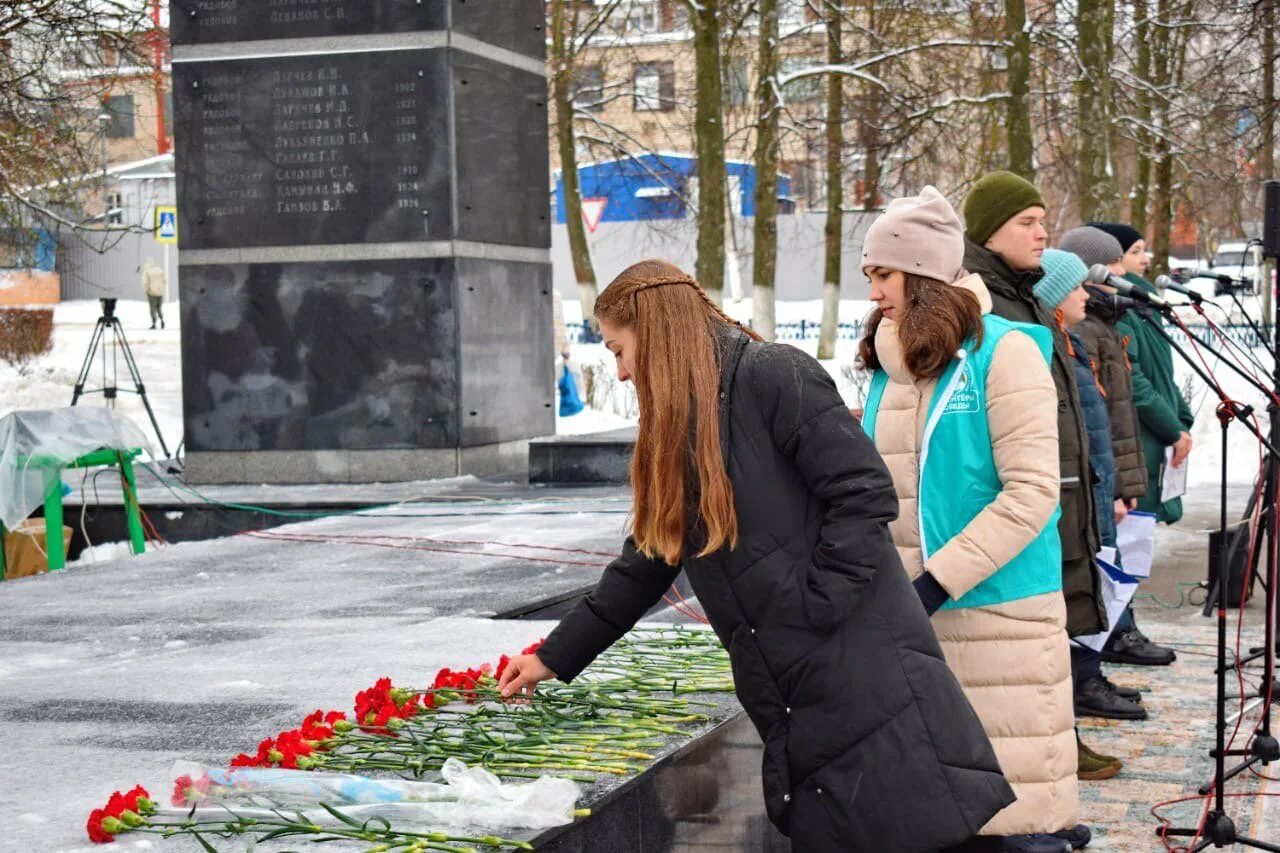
<point x="599" y="457"/>
<point x="500" y="116"/>
<point x="211" y="21"/>
<point x="356" y="148"/>
<point x="361" y="355"/>
<point x="287" y="356"/>
<point x="516" y="25"/>
<point x="315" y="149"/>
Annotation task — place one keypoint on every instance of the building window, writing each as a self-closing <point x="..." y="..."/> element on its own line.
<point x="588" y="88"/>
<point x="115" y="208"/>
<point x="806" y="88"/>
<point x="791" y="12"/>
<point x="738" y="83"/>
<point x="643" y="16"/>
<point x="655" y="86"/>
<point x="120" y="109"/>
<point x="674" y="15"/>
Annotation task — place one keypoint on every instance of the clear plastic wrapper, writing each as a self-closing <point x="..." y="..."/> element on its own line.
<point x="469" y="797"/>
<point x="29" y="439"/>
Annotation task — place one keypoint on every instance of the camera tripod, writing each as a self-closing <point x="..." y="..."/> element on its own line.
<point x="118" y="344"/>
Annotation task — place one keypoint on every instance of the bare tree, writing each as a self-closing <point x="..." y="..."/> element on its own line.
<point x="833" y="228"/>
<point x="709" y="144"/>
<point x="50" y="131"/>
<point x="565" y="44"/>
<point x="1095" y="179"/>
<point x="765" y="248"/>
<point x="1018" y="106"/>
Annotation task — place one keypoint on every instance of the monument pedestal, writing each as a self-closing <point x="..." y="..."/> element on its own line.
<point x="364" y="232"/>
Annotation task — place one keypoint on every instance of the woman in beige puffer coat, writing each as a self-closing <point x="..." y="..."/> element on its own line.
<point x="979" y="544"/>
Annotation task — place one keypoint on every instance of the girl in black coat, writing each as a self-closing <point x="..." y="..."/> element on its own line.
<point x="750" y="473"/>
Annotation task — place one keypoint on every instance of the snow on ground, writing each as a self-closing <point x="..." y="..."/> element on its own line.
<point x="49" y="380"/>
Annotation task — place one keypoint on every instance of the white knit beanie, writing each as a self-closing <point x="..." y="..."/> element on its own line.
<point x="917" y="234"/>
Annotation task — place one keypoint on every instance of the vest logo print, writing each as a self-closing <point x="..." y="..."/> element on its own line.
<point x="965" y="399"/>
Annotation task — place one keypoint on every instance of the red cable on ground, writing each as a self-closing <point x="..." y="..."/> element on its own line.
<point x="149" y="528"/>
<point x="1165" y="823"/>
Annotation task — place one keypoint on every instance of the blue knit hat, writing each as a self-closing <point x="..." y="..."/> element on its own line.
<point x="1063" y="273"/>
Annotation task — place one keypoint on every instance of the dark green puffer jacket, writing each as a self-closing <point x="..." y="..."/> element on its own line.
<point x="1163" y="413"/>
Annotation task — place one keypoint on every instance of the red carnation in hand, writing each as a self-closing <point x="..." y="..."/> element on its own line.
<point x="533" y="648"/>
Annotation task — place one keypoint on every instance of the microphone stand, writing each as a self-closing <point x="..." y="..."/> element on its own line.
<point x="1218" y="829"/>
<point x="1261" y="336"/>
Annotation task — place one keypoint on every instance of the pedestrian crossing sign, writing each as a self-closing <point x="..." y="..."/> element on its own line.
<point x="166" y="224"/>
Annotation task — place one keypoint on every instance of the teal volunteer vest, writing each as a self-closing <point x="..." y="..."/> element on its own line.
<point x="958" y="476"/>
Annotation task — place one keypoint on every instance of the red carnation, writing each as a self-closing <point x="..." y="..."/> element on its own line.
<point x="97" y="834"/>
<point x="185" y="790"/>
<point x="318" y="726"/>
<point x="180" y="787"/>
<point x="382" y="703"/>
<point x="104" y="823"/>
<point x="533" y="649"/>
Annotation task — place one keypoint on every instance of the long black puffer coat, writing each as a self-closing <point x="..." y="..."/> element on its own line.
<point x="870" y="745"/>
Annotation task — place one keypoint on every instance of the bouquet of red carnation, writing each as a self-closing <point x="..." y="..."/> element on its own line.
<point x="122" y="812"/>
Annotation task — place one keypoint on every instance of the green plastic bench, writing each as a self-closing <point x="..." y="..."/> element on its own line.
<point x="53" y="469"/>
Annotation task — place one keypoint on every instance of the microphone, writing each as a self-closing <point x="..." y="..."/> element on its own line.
<point x="1099" y="274"/>
<point x="1165" y="283"/>
<point x="1221" y="278"/>
<point x="1123" y="303"/>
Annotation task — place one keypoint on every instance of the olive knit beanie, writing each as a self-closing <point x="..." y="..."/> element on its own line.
<point x="994" y="200"/>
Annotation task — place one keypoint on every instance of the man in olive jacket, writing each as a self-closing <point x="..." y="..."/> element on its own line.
<point x="1004" y="238"/>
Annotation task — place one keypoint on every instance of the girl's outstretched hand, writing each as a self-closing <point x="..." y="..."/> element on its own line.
<point x="522" y="675"/>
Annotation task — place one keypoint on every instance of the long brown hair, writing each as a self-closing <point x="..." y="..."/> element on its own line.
<point x="937" y="319"/>
<point x="677" y="370"/>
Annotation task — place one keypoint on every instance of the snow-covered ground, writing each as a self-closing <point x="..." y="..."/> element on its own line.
<point x="48" y="381"/>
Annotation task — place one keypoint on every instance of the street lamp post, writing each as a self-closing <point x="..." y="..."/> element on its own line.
<point x="104" y="119"/>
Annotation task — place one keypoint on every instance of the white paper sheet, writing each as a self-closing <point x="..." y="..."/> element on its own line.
<point x="1173" y="481"/>
<point x="1136" y="540"/>
<point x="1117" y="591"/>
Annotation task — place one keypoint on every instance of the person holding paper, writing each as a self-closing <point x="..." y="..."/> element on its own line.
<point x="963" y="408"/>
<point x="1164" y="417"/>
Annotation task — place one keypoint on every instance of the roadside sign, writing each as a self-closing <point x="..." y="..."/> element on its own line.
<point x="166" y="224"/>
<point x="592" y="210"/>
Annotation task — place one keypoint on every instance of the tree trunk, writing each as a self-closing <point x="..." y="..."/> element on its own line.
<point x="1141" y="196"/>
<point x="562" y="93"/>
<point x="1090" y="53"/>
<point x="833" y="231"/>
<point x="1266" y="157"/>
<point x="1093" y="110"/>
<point x="1162" y="43"/>
<point x="709" y="146"/>
<point x="765" y="249"/>
<point x="1018" y="107"/>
